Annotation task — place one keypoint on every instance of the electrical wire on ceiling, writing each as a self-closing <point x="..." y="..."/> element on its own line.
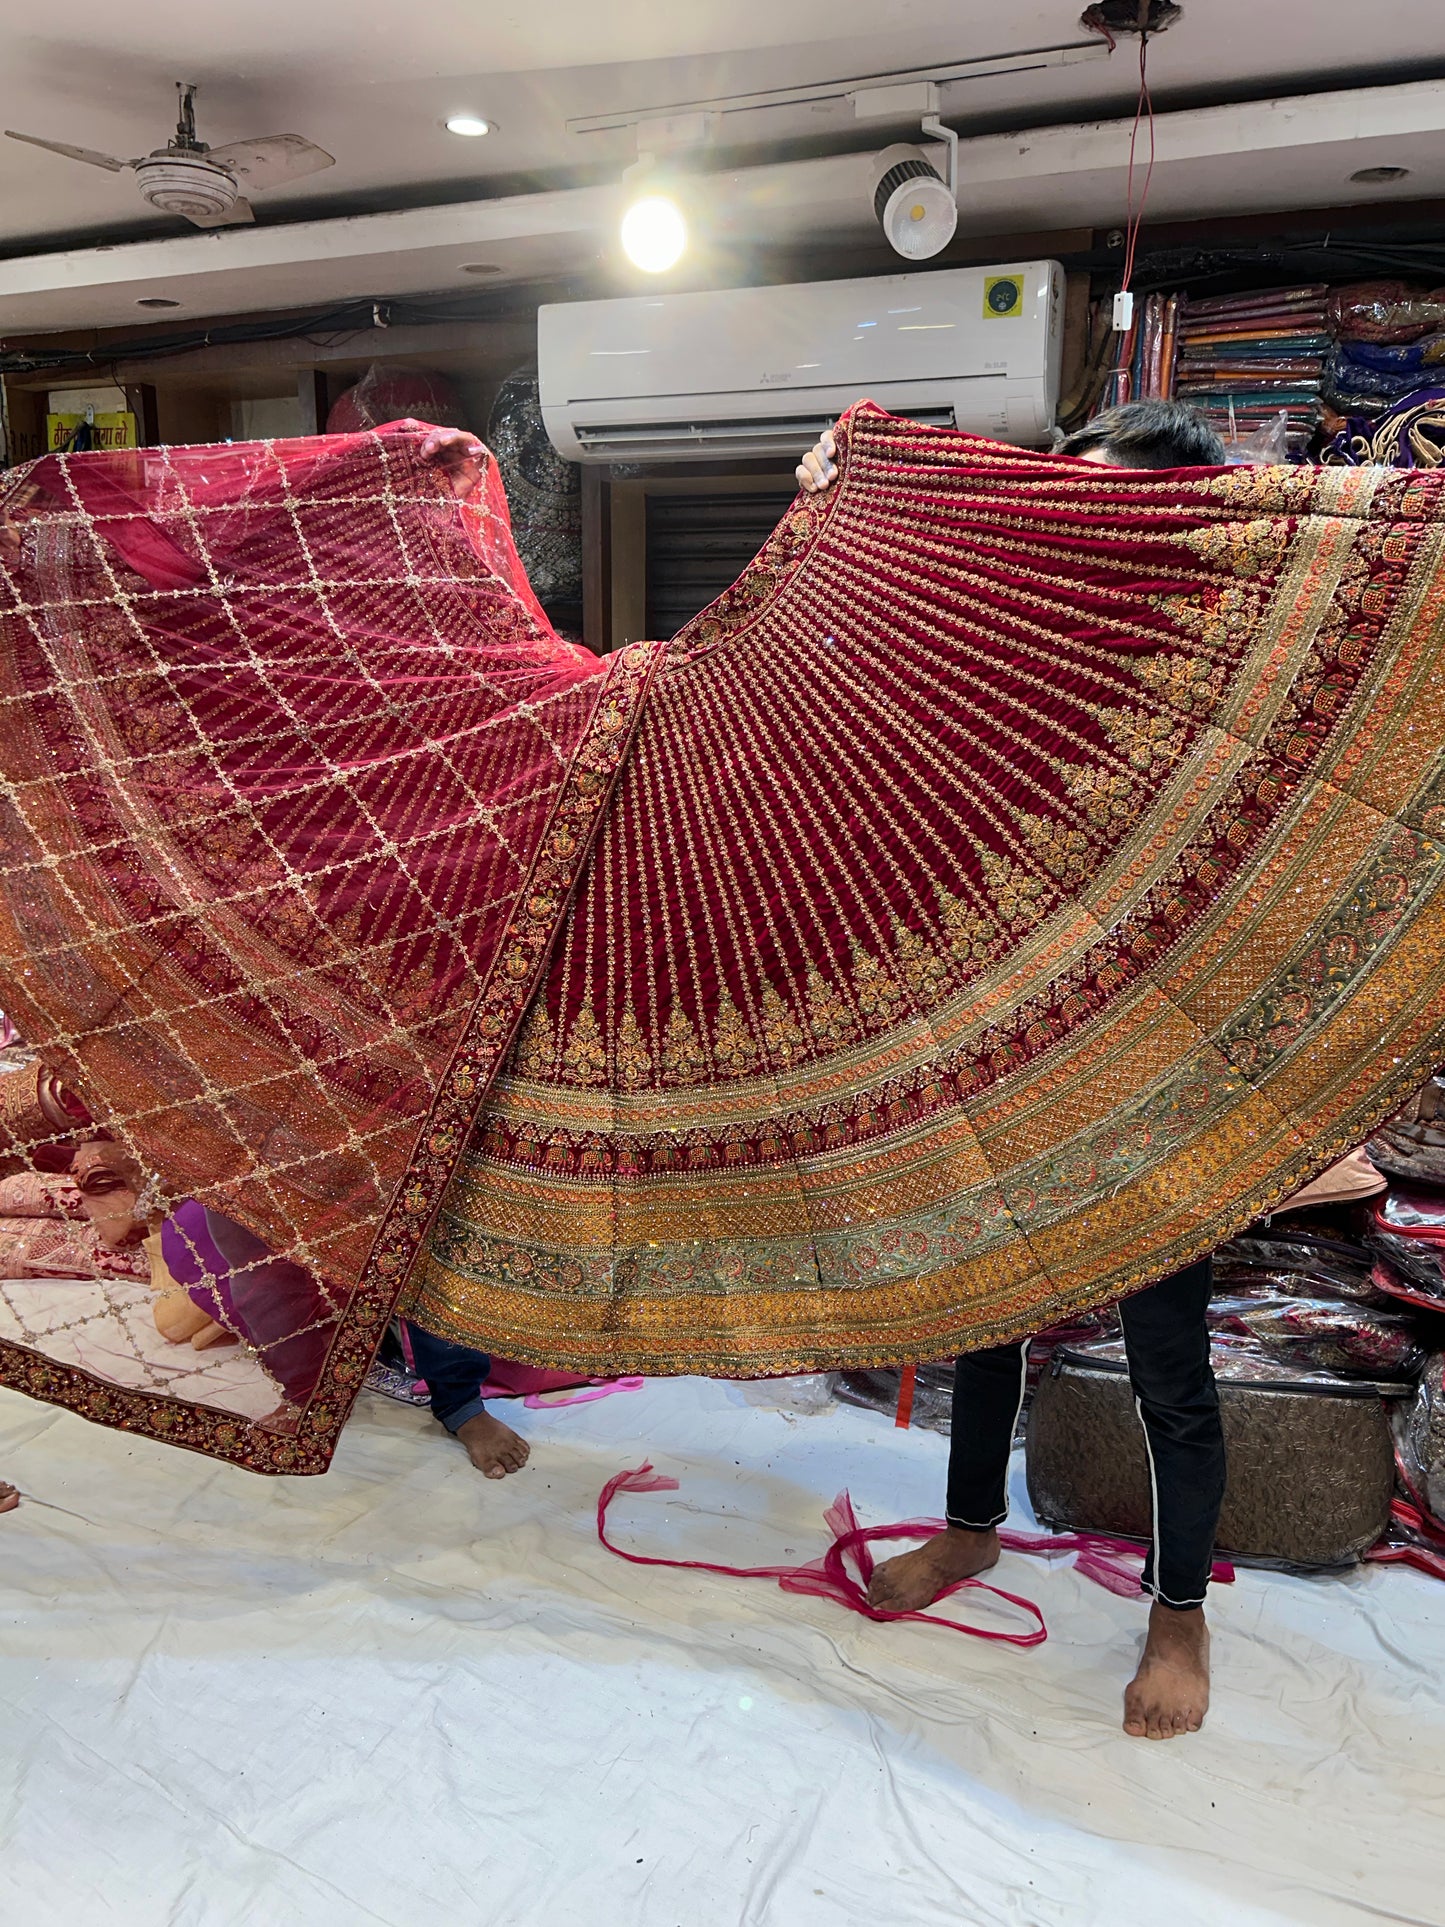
<point x="1143" y="111"/>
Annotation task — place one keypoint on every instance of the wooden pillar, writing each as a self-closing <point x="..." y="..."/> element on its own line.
<point x="596" y="559"/>
<point x="141" y="400"/>
<point x="629" y="562"/>
<point x="24" y="423"/>
<point x="314" y="396"/>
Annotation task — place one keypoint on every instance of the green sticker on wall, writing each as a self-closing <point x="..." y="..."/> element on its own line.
<point x="1003" y="295"/>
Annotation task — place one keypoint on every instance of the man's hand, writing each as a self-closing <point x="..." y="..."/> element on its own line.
<point x="818" y="470"/>
<point x="457" y="454"/>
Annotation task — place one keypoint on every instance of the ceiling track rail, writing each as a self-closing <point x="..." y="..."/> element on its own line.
<point x="943" y="73"/>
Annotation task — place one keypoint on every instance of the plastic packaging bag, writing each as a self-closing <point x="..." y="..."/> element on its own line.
<point x="1420" y="1438"/>
<point x="1321" y="1333"/>
<point x="1412" y="1145"/>
<point x="1286" y="1264"/>
<point x="1268" y="445"/>
<point x="799" y="1397"/>
<point x="1386" y="311"/>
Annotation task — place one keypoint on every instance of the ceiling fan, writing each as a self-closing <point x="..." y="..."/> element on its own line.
<point x="204" y="183"/>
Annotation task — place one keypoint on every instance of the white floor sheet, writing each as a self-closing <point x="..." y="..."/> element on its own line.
<point x="401" y="1694"/>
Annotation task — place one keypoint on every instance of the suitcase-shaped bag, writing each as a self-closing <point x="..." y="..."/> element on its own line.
<point x="1311" y="1471"/>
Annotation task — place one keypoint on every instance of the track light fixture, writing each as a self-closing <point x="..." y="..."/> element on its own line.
<point x="916" y="207"/>
<point x="654" y="230"/>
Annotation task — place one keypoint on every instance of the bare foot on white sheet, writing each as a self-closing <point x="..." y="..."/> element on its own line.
<point x="9" y="1497"/>
<point x="915" y="1579"/>
<point x="493" y="1448"/>
<point x="1169" y="1694"/>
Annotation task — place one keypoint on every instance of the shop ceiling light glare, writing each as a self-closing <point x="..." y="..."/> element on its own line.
<point x="654" y="234"/>
<point x="469" y="126"/>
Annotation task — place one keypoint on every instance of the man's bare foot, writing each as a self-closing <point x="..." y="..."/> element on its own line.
<point x="1169" y="1694"/>
<point x="915" y="1579"/>
<point x="493" y="1448"/>
<point x="9" y="1497"/>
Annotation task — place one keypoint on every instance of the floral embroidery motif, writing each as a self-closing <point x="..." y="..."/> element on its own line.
<point x="1244" y="548"/>
<point x="585" y="1059"/>
<point x="683" y="1059"/>
<point x="734" y="1050"/>
<point x="634" y="1060"/>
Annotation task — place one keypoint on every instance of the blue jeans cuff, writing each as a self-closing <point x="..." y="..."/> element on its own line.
<point x="455" y="1420"/>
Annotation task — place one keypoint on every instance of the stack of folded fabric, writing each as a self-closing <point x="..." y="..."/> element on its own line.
<point x="1406" y="1235"/>
<point x="1243" y="359"/>
<point x="1385" y="380"/>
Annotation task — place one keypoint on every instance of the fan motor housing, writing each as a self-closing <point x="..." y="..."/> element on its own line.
<point x="187" y="184"/>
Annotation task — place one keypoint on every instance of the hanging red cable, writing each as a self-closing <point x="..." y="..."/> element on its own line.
<point x="1134" y="218"/>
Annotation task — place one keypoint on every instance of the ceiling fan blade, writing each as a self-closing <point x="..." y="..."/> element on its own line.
<point x="241" y="215"/>
<point x="86" y="154"/>
<point x="271" y="160"/>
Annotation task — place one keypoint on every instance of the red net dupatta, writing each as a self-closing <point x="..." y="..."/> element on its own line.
<point x="296" y="780"/>
<point x="1028" y="872"/>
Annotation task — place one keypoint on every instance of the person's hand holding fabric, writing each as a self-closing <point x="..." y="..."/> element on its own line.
<point x="457" y="454"/>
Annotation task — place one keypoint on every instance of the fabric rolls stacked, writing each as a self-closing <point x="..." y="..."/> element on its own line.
<point x="1245" y="358"/>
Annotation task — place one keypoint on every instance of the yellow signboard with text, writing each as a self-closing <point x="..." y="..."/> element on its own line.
<point x="106" y="431"/>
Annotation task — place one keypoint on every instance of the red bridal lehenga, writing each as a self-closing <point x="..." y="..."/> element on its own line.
<point x="1023" y="875"/>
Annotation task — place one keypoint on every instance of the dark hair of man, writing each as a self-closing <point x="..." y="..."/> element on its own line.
<point x="1149" y="434"/>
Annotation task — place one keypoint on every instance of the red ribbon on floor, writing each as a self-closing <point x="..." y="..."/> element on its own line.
<point x="828" y="1577"/>
<point x="844" y="1571"/>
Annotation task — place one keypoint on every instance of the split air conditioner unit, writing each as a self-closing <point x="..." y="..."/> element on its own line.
<point x="762" y="371"/>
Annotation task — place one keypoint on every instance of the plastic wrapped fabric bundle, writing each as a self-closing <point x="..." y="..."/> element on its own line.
<point x="1307" y="1259"/>
<point x="878" y="1390"/>
<point x="1400" y="358"/>
<point x="1407" y="1232"/>
<point x="1420" y="1438"/>
<point x="1353" y="387"/>
<point x="1320" y="1334"/>
<point x="1386" y="311"/>
<point x="1410" y="1147"/>
<point x="1242" y="1358"/>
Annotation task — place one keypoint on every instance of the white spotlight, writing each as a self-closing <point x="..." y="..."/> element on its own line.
<point x="469" y="126"/>
<point x="654" y="234"/>
<point x="916" y="208"/>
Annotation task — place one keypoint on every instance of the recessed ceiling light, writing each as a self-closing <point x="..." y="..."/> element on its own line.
<point x="480" y="267"/>
<point x="1373" y="176"/>
<point x="470" y="126"/>
<point x="157" y="301"/>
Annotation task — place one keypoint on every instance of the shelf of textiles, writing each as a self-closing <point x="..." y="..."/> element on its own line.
<point x="1342" y="375"/>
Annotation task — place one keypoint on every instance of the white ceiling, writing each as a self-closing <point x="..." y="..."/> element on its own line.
<point x="1295" y="152"/>
<point x="373" y="80"/>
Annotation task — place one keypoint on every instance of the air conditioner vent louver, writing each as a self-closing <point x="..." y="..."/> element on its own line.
<point x="628" y="441"/>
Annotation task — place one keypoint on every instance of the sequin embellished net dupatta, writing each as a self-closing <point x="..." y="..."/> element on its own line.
<point x="296" y="780"/>
<point x="1024" y="875"/>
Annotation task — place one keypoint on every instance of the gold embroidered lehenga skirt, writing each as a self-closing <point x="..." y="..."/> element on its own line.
<point x="1025" y="874"/>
